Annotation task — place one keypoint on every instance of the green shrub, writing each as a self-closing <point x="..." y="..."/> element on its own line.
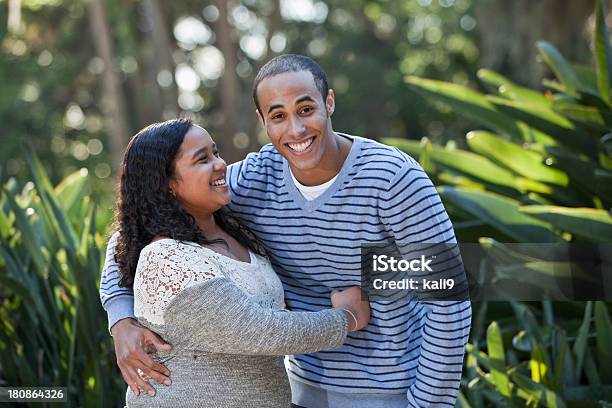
<point x="539" y="171"/>
<point x="53" y="329"/>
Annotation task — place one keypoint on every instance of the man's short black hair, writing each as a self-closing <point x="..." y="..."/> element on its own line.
<point x="291" y="63"/>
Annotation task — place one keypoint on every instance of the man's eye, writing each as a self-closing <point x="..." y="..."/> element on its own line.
<point x="216" y="153"/>
<point x="203" y="159"/>
<point x="307" y="109"/>
<point x="277" y="116"/>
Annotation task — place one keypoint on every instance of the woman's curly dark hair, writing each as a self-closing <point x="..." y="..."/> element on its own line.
<point x="145" y="206"/>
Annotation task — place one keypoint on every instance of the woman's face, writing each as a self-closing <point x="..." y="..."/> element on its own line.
<point x="199" y="174"/>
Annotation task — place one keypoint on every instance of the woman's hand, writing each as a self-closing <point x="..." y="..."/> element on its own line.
<point x="132" y="341"/>
<point x="355" y="301"/>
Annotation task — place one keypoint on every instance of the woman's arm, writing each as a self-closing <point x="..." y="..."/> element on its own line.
<point x="182" y="293"/>
<point x="216" y="316"/>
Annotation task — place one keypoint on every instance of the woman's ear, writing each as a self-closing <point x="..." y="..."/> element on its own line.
<point x="172" y="186"/>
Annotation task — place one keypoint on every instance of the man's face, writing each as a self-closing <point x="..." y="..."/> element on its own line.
<point x="296" y="118"/>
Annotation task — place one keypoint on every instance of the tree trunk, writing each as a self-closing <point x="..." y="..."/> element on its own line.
<point x="13" y="21"/>
<point x="113" y="103"/>
<point x="508" y="31"/>
<point x="161" y="57"/>
<point x="229" y="87"/>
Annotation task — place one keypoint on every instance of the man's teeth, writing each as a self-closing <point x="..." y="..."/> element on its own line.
<point x="220" y="182"/>
<point x="300" y="147"/>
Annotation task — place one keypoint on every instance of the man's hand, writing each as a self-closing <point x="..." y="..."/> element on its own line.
<point x="132" y="341"/>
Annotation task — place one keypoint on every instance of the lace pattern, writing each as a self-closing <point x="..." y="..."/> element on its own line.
<point x="166" y="267"/>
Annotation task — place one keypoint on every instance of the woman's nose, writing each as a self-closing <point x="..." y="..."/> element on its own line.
<point x="219" y="164"/>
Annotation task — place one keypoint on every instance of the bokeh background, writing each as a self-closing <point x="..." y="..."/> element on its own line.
<point x="527" y="81"/>
<point x="80" y="78"/>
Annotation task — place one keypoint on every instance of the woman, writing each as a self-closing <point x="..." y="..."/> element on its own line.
<point x="198" y="282"/>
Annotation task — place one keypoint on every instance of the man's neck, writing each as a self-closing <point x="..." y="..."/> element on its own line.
<point x="335" y="159"/>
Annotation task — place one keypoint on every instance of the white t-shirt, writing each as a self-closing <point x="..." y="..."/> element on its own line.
<point x="312" y="192"/>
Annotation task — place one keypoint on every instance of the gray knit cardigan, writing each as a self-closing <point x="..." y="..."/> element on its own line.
<point x="226" y="348"/>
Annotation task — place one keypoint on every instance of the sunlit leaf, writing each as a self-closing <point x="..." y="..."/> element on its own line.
<point x="603" y="53"/>
<point x="591" y="223"/>
<point x="562" y="69"/>
<point x="501" y="213"/>
<point x="469" y="103"/>
<point x="520" y="160"/>
<point x="497" y="358"/>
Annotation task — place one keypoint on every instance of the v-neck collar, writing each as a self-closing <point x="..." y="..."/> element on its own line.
<point x="312" y="205"/>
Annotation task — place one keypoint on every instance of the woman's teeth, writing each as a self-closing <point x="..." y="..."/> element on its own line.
<point x="217" y="183"/>
<point x="300" y="147"/>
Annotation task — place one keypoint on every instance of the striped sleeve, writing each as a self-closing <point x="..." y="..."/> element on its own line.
<point x="117" y="301"/>
<point x="412" y="210"/>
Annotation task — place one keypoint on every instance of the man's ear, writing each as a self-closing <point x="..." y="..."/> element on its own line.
<point x="330" y="102"/>
<point x="260" y="117"/>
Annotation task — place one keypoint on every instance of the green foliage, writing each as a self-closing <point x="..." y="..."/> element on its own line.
<point x="549" y="366"/>
<point x="539" y="171"/>
<point x="543" y="170"/>
<point x="53" y="328"/>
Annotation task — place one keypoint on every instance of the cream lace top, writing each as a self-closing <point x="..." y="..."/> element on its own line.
<point x="186" y="264"/>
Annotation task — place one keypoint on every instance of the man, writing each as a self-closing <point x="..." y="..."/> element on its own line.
<point x="313" y="197"/>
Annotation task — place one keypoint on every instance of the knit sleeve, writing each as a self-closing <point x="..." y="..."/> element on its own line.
<point x="187" y="298"/>
<point x="417" y="218"/>
<point x="216" y="316"/>
<point x="117" y="301"/>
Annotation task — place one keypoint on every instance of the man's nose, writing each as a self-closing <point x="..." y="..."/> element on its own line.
<point x="296" y="127"/>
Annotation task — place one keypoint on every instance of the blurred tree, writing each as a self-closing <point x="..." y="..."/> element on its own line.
<point x="160" y="65"/>
<point x="229" y="85"/>
<point x="508" y="32"/>
<point x="113" y="104"/>
<point x="77" y="98"/>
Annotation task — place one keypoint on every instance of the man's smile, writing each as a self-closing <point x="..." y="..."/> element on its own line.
<point x="300" y="147"/>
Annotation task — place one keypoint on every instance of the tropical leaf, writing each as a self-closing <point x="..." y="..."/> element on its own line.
<point x="549" y="122"/>
<point x="495" y="348"/>
<point x="518" y="159"/>
<point x="509" y="89"/>
<point x="580" y="345"/>
<point x="584" y="172"/>
<point x="589" y="117"/>
<point x="596" y="225"/>
<point x="603" y="328"/>
<point x="468" y="102"/>
<point x="538" y="392"/>
<point x="562" y="69"/>
<point x="501" y="213"/>
<point x="472" y="165"/>
<point x="603" y="53"/>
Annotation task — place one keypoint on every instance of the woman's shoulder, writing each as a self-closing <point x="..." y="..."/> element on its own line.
<point x="166" y="243"/>
<point x="166" y="268"/>
<point x="172" y="254"/>
<point x="169" y="246"/>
